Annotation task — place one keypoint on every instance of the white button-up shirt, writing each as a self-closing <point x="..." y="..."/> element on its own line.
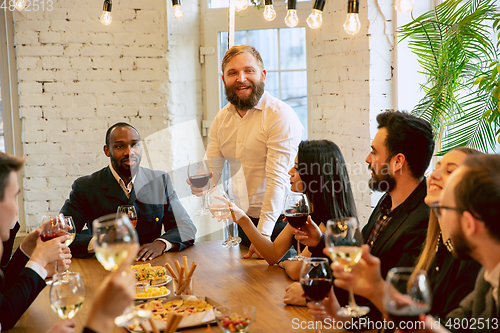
<point x="265" y="141"/>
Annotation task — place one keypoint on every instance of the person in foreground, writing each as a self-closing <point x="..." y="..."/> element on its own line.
<point x="124" y="182"/>
<point x="259" y="131"/>
<point x="319" y="172"/>
<point x="470" y="210"/>
<point x="24" y="276"/>
<point x="400" y="154"/>
<point x="451" y="279"/>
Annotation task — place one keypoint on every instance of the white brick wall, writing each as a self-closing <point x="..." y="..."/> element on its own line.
<point x="78" y="77"/>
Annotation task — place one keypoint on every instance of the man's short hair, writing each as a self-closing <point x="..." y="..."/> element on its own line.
<point x="121" y="124"/>
<point x="479" y="190"/>
<point x="8" y="163"/>
<point x="410" y="136"/>
<point x="239" y="49"/>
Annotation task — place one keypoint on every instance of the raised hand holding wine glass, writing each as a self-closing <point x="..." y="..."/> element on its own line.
<point x="219" y="206"/>
<point x="316" y="280"/>
<point x="296" y="212"/>
<point x="343" y="240"/>
<point x="407" y="294"/>
<point x="55" y="225"/>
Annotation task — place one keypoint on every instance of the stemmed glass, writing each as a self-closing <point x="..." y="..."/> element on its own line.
<point x="67" y="295"/>
<point x="55" y="225"/>
<point x="114" y="238"/>
<point x="407" y="294"/>
<point x="316" y="279"/>
<point x="199" y="175"/>
<point x="343" y="239"/>
<point x="296" y="212"/>
<point x="218" y="204"/>
<point x="130" y="211"/>
<point x="72" y="233"/>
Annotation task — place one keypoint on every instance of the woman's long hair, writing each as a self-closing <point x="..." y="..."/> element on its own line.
<point x="428" y="253"/>
<point x="323" y="172"/>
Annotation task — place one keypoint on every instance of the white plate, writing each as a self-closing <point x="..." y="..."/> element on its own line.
<point x="169" y="278"/>
<point x="152" y="297"/>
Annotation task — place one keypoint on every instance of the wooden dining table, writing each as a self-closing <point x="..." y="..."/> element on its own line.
<point x="222" y="274"/>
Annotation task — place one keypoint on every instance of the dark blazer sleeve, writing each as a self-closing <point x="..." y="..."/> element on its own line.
<point x="179" y="228"/>
<point x="75" y="206"/>
<point x="20" y="290"/>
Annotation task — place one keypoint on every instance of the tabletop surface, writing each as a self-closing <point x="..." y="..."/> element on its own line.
<point x="222" y="274"/>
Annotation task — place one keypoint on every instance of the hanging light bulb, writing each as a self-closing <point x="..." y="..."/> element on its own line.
<point x="178" y="12"/>
<point x="241" y="5"/>
<point x="315" y="19"/>
<point x="106" y="18"/>
<point x="291" y="19"/>
<point x="404" y="6"/>
<point x="269" y="12"/>
<point x="352" y="24"/>
<point x="20" y="4"/>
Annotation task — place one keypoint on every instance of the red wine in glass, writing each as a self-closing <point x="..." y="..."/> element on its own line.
<point x="199" y="181"/>
<point x="316" y="289"/>
<point x="51" y="235"/>
<point x="408" y="315"/>
<point x="297" y="220"/>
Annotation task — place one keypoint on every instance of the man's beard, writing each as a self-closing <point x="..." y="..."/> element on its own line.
<point x="247" y="103"/>
<point x="461" y="248"/>
<point x="384" y="182"/>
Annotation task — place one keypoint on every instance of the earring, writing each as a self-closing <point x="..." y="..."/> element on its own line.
<point x="449" y="244"/>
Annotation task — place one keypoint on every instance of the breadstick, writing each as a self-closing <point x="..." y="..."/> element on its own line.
<point x="178" y="268"/>
<point x="186" y="267"/>
<point x="171" y="270"/>
<point x="181" y="279"/>
<point x="143" y="328"/>
<point x="188" y="279"/>
<point x="153" y="325"/>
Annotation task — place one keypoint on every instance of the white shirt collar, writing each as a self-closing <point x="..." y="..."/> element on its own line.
<point x="493" y="279"/>
<point x="127" y="188"/>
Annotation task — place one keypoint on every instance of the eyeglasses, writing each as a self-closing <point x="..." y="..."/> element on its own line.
<point x="437" y="209"/>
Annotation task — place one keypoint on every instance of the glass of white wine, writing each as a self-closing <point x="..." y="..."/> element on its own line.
<point x="343" y="239"/>
<point x="221" y="211"/>
<point x="67" y="295"/>
<point x="70" y="226"/>
<point x="115" y="237"/>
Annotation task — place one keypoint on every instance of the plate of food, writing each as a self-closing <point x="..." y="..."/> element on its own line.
<point x="156" y="276"/>
<point x="145" y="292"/>
<point x="196" y="310"/>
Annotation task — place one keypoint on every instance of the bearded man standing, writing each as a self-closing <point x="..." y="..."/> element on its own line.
<point x="262" y="133"/>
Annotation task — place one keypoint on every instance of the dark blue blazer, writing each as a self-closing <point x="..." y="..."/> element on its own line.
<point x="154" y="199"/>
<point x="21" y="286"/>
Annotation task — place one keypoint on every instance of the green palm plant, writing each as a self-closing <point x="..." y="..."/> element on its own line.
<point x="454" y="46"/>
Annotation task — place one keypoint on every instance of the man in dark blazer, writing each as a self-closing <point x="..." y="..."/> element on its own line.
<point x="469" y="211"/>
<point x="124" y="182"/>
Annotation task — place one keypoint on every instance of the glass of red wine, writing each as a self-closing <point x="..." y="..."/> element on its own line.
<point x="199" y="175"/>
<point x="130" y="211"/>
<point x="296" y="212"/>
<point x="55" y="225"/>
<point x="407" y="294"/>
<point x="316" y="280"/>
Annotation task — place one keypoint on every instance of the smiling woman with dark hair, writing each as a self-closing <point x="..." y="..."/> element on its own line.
<point x="321" y="174"/>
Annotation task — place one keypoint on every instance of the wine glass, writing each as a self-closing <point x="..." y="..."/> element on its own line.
<point x="55" y="225"/>
<point x="130" y="211"/>
<point x="316" y="280"/>
<point x="72" y="233"/>
<point x="296" y="212"/>
<point x="343" y="239"/>
<point x="67" y="295"/>
<point x="407" y="294"/>
<point x="114" y="238"/>
<point x="199" y="175"/>
<point x="220" y="209"/>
